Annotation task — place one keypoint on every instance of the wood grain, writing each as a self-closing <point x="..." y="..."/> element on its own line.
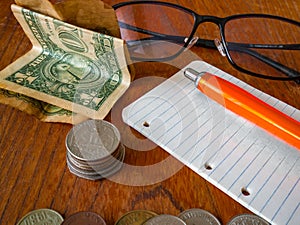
<point x="33" y="171"/>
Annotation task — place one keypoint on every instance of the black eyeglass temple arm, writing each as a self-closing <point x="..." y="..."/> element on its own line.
<point x="278" y="66"/>
<point x="268" y="46"/>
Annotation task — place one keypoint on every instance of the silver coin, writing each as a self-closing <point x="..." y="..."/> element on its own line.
<point x="198" y="216"/>
<point x="92" y="140"/>
<point x="165" y="219"/>
<point x="41" y="216"/>
<point x="247" y="219"/>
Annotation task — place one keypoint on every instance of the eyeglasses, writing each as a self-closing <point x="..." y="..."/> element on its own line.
<point x="261" y="45"/>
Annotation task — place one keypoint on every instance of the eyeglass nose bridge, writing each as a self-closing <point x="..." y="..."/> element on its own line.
<point x="200" y="19"/>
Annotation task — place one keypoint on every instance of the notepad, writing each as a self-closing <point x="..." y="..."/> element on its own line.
<point x="253" y="167"/>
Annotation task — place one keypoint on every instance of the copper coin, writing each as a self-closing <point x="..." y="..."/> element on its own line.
<point x="84" y="218"/>
<point x="135" y="217"/>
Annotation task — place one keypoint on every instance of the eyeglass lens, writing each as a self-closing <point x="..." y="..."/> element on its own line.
<point x="264" y="45"/>
<point x="162" y="30"/>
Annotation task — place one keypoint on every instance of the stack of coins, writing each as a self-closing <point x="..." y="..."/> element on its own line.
<point x="94" y="150"/>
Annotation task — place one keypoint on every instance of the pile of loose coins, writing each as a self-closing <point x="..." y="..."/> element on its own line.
<point x="136" y="217"/>
<point x="94" y="150"/>
<point x="187" y="217"/>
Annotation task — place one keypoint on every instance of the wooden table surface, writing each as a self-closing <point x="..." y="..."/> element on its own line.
<point x="33" y="166"/>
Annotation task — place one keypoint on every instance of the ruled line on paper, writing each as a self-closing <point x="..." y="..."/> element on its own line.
<point x="198" y="131"/>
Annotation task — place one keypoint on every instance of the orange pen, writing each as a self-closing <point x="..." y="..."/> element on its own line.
<point x="247" y="105"/>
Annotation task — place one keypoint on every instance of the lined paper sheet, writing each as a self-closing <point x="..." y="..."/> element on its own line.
<point x="252" y="166"/>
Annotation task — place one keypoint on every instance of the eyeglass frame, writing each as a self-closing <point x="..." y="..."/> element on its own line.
<point x="220" y="22"/>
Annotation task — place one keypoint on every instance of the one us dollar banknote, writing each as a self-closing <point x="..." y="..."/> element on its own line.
<point x="70" y="73"/>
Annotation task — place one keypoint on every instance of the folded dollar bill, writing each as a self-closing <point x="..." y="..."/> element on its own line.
<point x="68" y="67"/>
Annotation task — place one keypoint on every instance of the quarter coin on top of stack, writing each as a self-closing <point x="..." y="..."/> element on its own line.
<point x="94" y="149"/>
